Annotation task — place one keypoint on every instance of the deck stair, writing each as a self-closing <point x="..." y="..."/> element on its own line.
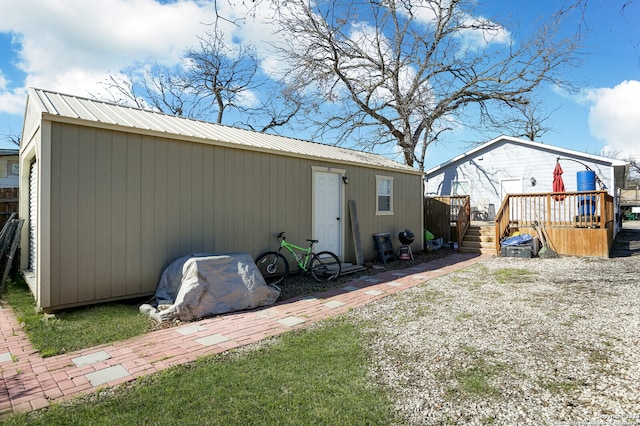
<point x="479" y="239"/>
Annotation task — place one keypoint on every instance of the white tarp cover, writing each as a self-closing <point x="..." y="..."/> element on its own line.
<point x="201" y="285"/>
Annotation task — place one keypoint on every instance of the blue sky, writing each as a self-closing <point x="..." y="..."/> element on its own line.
<point x="71" y="46"/>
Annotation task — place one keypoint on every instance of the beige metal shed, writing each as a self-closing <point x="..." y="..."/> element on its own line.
<point x="112" y="194"/>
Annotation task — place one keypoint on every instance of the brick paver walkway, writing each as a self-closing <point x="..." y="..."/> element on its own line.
<point x="30" y="382"/>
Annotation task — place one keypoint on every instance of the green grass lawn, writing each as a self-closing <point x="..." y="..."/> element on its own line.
<point x="75" y="329"/>
<point x="316" y="376"/>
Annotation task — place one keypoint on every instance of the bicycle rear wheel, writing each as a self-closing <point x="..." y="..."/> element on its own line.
<point x="273" y="266"/>
<point x="325" y="266"/>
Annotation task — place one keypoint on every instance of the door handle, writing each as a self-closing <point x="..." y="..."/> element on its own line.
<point x="337" y="218"/>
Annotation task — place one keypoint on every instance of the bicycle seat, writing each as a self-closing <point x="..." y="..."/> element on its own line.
<point x="312" y="241"/>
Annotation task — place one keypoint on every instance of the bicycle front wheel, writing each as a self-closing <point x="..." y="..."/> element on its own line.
<point x="273" y="266"/>
<point x="325" y="266"/>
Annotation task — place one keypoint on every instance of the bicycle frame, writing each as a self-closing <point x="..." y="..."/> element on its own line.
<point x="301" y="259"/>
<point x="274" y="266"/>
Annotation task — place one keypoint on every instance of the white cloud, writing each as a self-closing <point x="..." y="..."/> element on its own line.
<point x="614" y="117"/>
<point x="475" y="32"/>
<point x="482" y="32"/>
<point x="72" y="45"/>
<point x="12" y="101"/>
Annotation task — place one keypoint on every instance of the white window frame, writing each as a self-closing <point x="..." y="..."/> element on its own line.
<point x="379" y="180"/>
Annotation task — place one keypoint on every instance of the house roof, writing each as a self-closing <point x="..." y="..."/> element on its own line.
<point x="534" y="145"/>
<point x="90" y="112"/>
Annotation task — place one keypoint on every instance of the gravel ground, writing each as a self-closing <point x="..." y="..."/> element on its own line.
<point x="513" y="341"/>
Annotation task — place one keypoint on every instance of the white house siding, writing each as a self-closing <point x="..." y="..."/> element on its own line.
<point x="9" y="173"/>
<point x="510" y="158"/>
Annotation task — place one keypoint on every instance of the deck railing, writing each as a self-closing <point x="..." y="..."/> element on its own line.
<point x="569" y="218"/>
<point x="463" y="220"/>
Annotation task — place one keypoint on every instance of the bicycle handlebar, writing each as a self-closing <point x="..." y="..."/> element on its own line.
<point x="281" y="235"/>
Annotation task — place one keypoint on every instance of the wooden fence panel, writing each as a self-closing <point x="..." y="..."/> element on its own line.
<point x="436" y="217"/>
<point x="441" y="215"/>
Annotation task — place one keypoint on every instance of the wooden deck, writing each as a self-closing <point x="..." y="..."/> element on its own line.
<point x="575" y="223"/>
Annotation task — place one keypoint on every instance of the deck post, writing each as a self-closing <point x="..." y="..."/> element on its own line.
<point x="604" y="214"/>
<point x="547" y="215"/>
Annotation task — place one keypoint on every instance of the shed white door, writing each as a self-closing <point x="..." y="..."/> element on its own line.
<point x="327" y="211"/>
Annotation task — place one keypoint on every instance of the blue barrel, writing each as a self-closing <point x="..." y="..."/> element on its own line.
<point x="586" y="205"/>
<point x="586" y="180"/>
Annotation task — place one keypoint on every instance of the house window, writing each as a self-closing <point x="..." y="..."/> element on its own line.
<point x="12" y="168"/>
<point x="459" y="187"/>
<point x="384" y="195"/>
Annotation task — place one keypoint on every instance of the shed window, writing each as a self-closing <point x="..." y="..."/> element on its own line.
<point x="384" y="195"/>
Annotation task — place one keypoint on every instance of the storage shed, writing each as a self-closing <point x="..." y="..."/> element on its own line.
<point x="112" y="194"/>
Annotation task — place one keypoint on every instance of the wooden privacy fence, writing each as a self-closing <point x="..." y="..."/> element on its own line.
<point x="447" y="216"/>
<point x="576" y="223"/>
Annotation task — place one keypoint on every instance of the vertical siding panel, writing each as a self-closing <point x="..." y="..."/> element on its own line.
<point x="287" y="175"/>
<point x="134" y="216"/>
<point x="260" y="214"/>
<point x="104" y="232"/>
<point x="184" y="210"/>
<point x="276" y="187"/>
<point x="160" y="251"/>
<point x="87" y="214"/>
<point x="303" y="192"/>
<point x="54" y="247"/>
<point x="172" y="229"/>
<point x="298" y="202"/>
<point x="148" y="214"/>
<point x="245" y="200"/>
<point x="238" y="165"/>
<point x="241" y="233"/>
<point x="69" y="219"/>
<point x="219" y="200"/>
<point x="208" y="199"/>
<point x="366" y="213"/>
<point x="233" y="216"/>
<point x="273" y="188"/>
<point x="198" y="188"/>
<point x="119" y="188"/>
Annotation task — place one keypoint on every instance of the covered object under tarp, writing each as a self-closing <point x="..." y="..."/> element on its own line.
<point x="201" y="285"/>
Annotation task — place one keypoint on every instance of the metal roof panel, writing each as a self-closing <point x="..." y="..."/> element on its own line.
<point x="91" y="110"/>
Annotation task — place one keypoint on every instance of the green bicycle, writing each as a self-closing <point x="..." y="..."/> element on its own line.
<point x="274" y="267"/>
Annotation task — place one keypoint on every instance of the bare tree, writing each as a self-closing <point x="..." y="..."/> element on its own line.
<point x="13" y="138"/>
<point x="157" y="87"/>
<point x="402" y="72"/>
<point x="220" y="75"/>
<point x="212" y="79"/>
<point x="633" y="177"/>
<point x="526" y="120"/>
<point x="216" y="82"/>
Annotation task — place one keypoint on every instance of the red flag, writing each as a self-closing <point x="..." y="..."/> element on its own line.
<point x="558" y="183"/>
